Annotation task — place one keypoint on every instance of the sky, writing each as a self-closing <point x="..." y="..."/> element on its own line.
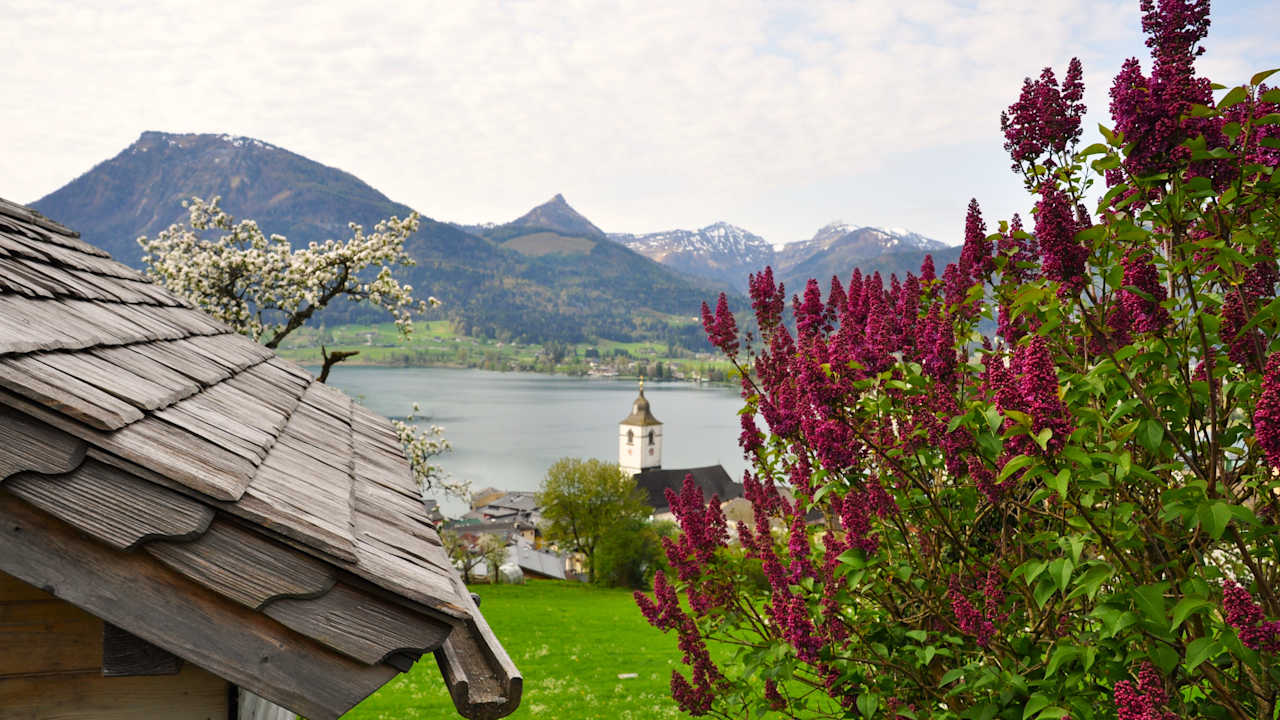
<point x="647" y="115"/>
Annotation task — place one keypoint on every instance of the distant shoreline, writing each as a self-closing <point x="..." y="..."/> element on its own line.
<point x="315" y="367"/>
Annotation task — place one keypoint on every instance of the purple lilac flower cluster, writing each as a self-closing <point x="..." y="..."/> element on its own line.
<point x="703" y="531"/>
<point x="1246" y="616"/>
<point x="1266" y="414"/>
<point x="1063" y="257"/>
<point x="1144" y="701"/>
<point x="1150" y="110"/>
<point x="721" y="328"/>
<point x="1250" y="146"/>
<point x="1045" y="119"/>
<point x="969" y="619"/>
<point x="976" y="262"/>
<point x="1029" y="385"/>
<point x="1245" y="346"/>
<point x="1140" y="308"/>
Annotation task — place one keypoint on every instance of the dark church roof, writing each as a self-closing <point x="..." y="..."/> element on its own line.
<point x="712" y="479"/>
<point x="183" y="483"/>
<point x="640" y="414"/>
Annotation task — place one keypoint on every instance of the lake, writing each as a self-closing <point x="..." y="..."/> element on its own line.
<point x="507" y="428"/>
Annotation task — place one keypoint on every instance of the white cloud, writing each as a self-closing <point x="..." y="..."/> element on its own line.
<point x="775" y="116"/>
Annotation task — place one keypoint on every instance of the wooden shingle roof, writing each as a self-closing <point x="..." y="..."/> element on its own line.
<point x="185" y="484"/>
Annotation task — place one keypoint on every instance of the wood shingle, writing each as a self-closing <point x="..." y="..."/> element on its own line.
<point x="187" y="486"/>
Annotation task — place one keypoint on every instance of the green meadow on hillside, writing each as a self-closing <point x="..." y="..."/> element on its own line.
<point x="436" y="343"/>
<point x="571" y="642"/>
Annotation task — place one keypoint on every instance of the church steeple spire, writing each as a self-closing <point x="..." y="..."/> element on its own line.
<point x="640" y="437"/>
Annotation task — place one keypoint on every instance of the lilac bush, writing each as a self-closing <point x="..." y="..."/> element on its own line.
<point x="1075" y="516"/>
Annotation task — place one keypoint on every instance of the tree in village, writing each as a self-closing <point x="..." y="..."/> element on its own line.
<point x="469" y="551"/>
<point x="583" y="501"/>
<point x="266" y="290"/>
<point x="462" y="552"/>
<point x="630" y="554"/>
<point x="1075" y="516"/>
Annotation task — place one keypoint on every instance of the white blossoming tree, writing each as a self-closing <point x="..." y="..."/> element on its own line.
<point x="265" y="289"/>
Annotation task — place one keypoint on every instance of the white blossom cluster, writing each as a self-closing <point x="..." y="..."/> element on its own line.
<point x="266" y="290"/>
<point x="420" y="446"/>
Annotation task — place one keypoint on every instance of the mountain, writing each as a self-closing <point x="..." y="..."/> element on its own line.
<point x="549" y="275"/>
<point x="722" y="252"/>
<point x="836" y="249"/>
<point x="140" y="191"/>
<point x="556" y="215"/>
<point x="728" y="254"/>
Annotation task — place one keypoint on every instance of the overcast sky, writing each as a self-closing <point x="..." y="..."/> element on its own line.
<point x="647" y="115"/>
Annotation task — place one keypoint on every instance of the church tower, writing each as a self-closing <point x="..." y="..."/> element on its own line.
<point x="639" y="438"/>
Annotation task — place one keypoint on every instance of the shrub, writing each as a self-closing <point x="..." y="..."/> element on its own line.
<point x="1075" y="516"/>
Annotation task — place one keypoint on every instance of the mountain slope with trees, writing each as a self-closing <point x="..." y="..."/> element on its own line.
<point x="549" y="275"/>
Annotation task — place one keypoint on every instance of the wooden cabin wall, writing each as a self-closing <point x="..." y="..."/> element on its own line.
<point x="51" y="667"/>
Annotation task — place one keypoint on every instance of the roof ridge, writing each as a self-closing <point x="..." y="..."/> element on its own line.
<point x="22" y="212"/>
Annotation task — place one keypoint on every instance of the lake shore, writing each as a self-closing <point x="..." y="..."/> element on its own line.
<point x="433" y="345"/>
<point x="507" y="428"/>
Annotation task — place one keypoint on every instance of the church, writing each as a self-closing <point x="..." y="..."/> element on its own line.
<point x="640" y="454"/>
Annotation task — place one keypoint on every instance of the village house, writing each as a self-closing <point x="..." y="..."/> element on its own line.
<point x="192" y="527"/>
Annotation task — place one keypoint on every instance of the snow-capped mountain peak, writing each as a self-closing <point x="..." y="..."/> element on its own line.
<point x="719" y="250"/>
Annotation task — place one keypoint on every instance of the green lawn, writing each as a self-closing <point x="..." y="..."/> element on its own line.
<point x="570" y="642"/>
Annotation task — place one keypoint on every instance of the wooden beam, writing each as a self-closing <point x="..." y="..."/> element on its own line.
<point x="138" y="593"/>
<point x="127" y="655"/>
<point x="193" y="694"/>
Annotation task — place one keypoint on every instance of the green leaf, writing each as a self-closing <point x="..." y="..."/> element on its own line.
<point x="1114" y="620"/>
<point x="1076" y="455"/>
<point x="868" y="703"/>
<point x="1014" y="466"/>
<point x="1053" y="713"/>
<point x="1089" y="582"/>
<point x="1060" y="655"/>
<point x="1060" y="570"/>
<point x="1199" y="650"/>
<point x="951" y="676"/>
<point x="1124" y="463"/>
<point x="1077" y="546"/>
<point x="1042" y="438"/>
<point x="1059" y="482"/>
<point x="918" y="635"/>
<point x="993" y="417"/>
<point x="1165" y="658"/>
<point x="1261" y="77"/>
<point x="1186" y="607"/>
<point x="1214" y="517"/>
<point x="1233" y="97"/>
<point x="1030" y="569"/>
<point x="1020" y="418"/>
<point x="1151" y="434"/>
<point x="1035" y="704"/>
<point x="1043" y="592"/>
<point x="1148" y="600"/>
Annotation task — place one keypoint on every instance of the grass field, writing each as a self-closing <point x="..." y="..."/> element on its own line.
<point x="570" y="642"/>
